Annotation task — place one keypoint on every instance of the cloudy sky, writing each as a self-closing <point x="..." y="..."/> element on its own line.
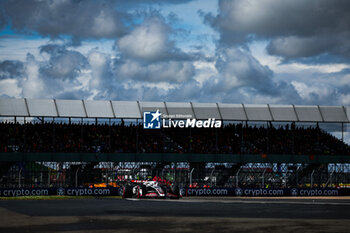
<point x="239" y="51"/>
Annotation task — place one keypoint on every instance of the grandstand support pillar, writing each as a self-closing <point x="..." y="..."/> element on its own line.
<point x="137" y="135"/>
<point x="263" y="179"/>
<point x="342" y="131"/>
<point x="24" y="134"/>
<point x="190" y="149"/>
<point x="76" y="177"/>
<point x="96" y="121"/>
<point x="268" y="137"/>
<point x="48" y="178"/>
<point x="211" y="177"/>
<point x="106" y="176"/>
<point x="242" y="138"/>
<point x="237" y="174"/>
<point x="15" y="120"/>
<point x="286" y="179"/>
<point x="191" y="176"/>
<point x="312" y="179"/>
<point x="82" y="135"/>
<point x="317" y="133"/>
<point x="297" y="177"/>
<point x="293" y="137"/>
<point x="331" y="178"/>
<point x="163" y="173"/>
<point x="109" y="135"/>
<point x="216" y="140"/>
<point x="41" y="174"/>
<point x="19" y="178"/>
<point x="53" y="135"/>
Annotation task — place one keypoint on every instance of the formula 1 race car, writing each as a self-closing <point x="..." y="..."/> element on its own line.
<point x="150" y="189"/>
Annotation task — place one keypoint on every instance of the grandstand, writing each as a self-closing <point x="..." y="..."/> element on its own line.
<point x="79" y="142"/>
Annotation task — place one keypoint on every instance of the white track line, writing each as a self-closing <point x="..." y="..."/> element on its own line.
<point x="249" y="202"/>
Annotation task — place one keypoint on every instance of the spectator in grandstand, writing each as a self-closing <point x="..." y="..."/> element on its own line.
<point x="122" y="138"/>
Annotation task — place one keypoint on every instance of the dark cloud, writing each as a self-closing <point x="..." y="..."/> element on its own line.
<point x="293" y="47"/>
<point x="239" y="68"/>
<point x="73" y="95"/>
<point x="240" y="74"/>
<point x="296" y="28"/>
<point x="11" y="69"/>
<point x="63" y="63"/>
<point x="2" y="18"/>
<point x="240" y="78"/>
<point x="59" y="76"/>
<point x="167" y="71"/>
<point x="137" y="3"/>
<point x="188" y="91"/>
<point x="325" y="88"/>
<point x="52" y="49"/>
<point x="324" y="58"/>
<point x="79" y="19"/>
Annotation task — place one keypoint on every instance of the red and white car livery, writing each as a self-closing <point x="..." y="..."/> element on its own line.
<point x="150" y="189"/>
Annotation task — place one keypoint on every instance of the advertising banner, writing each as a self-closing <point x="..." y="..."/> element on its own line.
<point x="229" y="192"/>
<point x="71" y="191"/>
<point x="263" y="192"/>
<point x="317" y="192"/>
<point x="210" y="192"/>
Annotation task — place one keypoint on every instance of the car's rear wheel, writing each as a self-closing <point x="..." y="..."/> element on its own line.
<point x="173" y="192"/>
<point x="127" y="191"/>
<point x="176" y="190"/>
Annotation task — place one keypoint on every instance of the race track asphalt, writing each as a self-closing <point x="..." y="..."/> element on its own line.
<point x="185" y="215"/>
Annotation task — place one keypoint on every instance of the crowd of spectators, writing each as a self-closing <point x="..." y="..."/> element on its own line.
<point x="131" y="138"/>
<point x="242" y="139"/>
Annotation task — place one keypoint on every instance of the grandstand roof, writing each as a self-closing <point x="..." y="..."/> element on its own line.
<point x="134" y="110"/>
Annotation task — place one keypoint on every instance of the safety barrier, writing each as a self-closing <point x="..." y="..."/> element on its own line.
<point x="264" y="192"/>
<point x="110" y="191"/>
<point x="71" y="191"/>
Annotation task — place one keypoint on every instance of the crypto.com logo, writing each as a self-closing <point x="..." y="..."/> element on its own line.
<point x="239" y="192"/>
<point x="151" y="120"/>
<point x="294" y="192"/>
<point x="61" y="191"/>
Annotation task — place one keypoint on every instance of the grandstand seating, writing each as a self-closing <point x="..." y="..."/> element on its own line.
<point x="122" y="138"/>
